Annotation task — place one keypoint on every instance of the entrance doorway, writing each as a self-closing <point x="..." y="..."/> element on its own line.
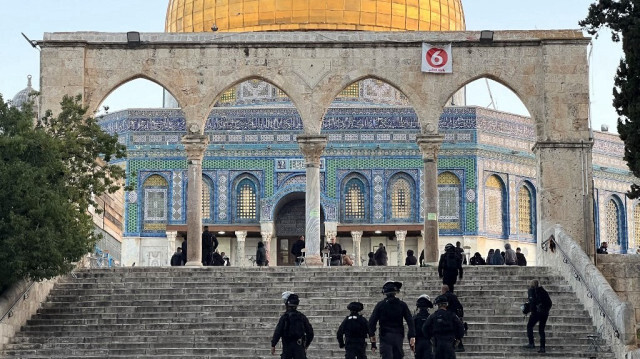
<point x="290" y="225"/>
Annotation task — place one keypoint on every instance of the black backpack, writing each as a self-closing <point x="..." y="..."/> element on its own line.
<point x="451" y="260"/>
<point x="294" y="326"/>
<point x="355" y="328"/>
<point x="442" y="323"/>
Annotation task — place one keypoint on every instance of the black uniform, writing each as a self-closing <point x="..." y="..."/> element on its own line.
<point x="293" y="348"/>
<point x="296" y="250"/>
<point x="423" y="345"/>
<point x="184" y="251"/>
<point x="355" y="328"/>
<point x="445" y="327"/>
<point x="209" y="245"/>
<point x="540" y="304"/>
<point x="390" y="312"/>
<point x="450" y="267"/>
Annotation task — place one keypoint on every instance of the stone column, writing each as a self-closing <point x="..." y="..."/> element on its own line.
<point x="171" y="244"/>
<point x="400" y="237"/>
<point x="312" y="146"/>
<point x="356" y="237"/>
<point x="195" y="145"/>
<point x="266" y="231"/>
<point x="241" y="236"/>
<point x="430" y="146"/>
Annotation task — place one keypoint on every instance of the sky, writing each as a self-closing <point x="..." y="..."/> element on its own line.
<point x="35" y="17"/>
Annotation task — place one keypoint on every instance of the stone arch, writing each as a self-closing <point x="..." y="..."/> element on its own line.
<point x="100" y="94"/>
<point x="248" y="179"/>
<point x="393" y="185"/>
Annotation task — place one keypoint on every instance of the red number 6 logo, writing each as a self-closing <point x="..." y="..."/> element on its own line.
<point x="437" y="57"/>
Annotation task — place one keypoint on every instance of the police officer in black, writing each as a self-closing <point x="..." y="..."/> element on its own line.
<point x="293" y="346"/>
<point x="450" y="266"/>
<point x="423" y="345"/>
<point x="390" y="312"/>
<point x="445" y="327"/>
<point x="455" y="307"/>
<point x="355" y="328"/>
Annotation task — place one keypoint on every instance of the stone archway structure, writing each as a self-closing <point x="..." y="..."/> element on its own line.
<point x="548" y="70"/>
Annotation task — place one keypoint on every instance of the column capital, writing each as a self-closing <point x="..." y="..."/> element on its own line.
<point x="401" y="235"/>
<point x="430" y="146"/>
<point x="266" y="235"/>
<point x="195" y="145"/>
<point x="241" y="235"/>
<point x="356" y="236"/>
<point x="312" y="147"/>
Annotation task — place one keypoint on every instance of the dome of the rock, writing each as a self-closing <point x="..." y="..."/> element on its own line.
<point x="288" y="15"/>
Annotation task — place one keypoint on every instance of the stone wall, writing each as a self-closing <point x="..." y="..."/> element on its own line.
<point x="622" y="271"/>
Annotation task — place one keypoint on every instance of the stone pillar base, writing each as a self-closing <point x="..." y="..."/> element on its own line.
<point x="313" y="261"/>
<point x="193" y="264"/>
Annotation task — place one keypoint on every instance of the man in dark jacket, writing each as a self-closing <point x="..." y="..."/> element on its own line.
<point x="445" y="327"/>
<point x="209" y="245"/>
<point x="455" y="307"/>
<point x="411" y="260"/>
<point x="603" y="248"/>
<point x="522" y="261"/>
<point x="353" y="332"/>
<point x="335" y="252"/>
<point x="216" y="259"/>
<point x="184" y="250"/>
<point x="450" y="266"/>
<point x="176" y="259"/>
<point x="390" y="312"/>
<point x="296" y="250"/>
<point x="294" y="329"/>
<point x="540" y="305"/>
<point x="423" y="346"/>
<point x="380" y="256"/>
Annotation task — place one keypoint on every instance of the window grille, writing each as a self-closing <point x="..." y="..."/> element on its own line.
<point x="354" y="200"/>
<point x="524" y="211"/>
<point x="448" y="201"/>
<point x="493" y="203"/>
<point x="246" y="206"/>
<point x="612" y="224"/>
<point x="401" y="199"/>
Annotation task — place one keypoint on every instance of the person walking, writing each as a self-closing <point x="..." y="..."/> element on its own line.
<point x="455" y="307"/>
<point x="209" y="245"/>
<point x="390" y="312"/>
<point x="294" y="329"/>
<point x="540" y="304"/>
<point x="261" y="255"/>
<point x="176" y="259"/>
<point x="411" y="260"/>
<point x="381" y="256"/>
<point x="450" y="266"/>
<point x="445" y="328"/>
<point x="522" y="261"/>
<point x="296" y="250"/>
<point x="353" y="332"/>
<point x="510" y="257"/>
<point x="423" y="345"/>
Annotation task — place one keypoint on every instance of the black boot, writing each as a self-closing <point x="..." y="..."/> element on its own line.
<point x="530" y="346"/>
<point x="542" y="350"/>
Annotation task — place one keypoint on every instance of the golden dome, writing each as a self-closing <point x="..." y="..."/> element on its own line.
<point x="278" y="15"/>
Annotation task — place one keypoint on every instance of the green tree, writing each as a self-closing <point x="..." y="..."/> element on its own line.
<point x="50" y="172"/>
<point x="623" y="18"/>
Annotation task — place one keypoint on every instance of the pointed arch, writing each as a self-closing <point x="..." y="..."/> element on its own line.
<point x="355" y="204"/>
<point x="526" y="215"/>
<point x="615" y="225"/>
<point x="246" y="197"/>
<point x="496" y="209"/>
<point x="449" y="205"/>
<point x="155" y="191"/>
<point x="401" y="198"/>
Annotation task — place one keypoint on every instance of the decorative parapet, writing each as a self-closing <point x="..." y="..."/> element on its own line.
<point x="614" y="317"/>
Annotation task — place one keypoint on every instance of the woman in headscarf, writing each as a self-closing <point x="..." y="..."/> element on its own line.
<point x="489" y="256"/>
<point x="497" y="258"/>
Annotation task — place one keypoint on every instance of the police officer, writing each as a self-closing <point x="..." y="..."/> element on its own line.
<point x="450" y="266"/>
<point x="355" y="328"/>
<point x="445" y="327"/>
<point x="455" y="307"/>
<point x="390" y="312"/>
<point x="423" y="345"/>
<point x="293" y="346"/>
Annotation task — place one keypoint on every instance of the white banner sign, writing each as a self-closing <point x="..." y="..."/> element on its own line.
<point x="437" y="58"/>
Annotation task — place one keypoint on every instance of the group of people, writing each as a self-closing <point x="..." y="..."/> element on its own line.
<point x="379" y="258"/>
<point x="436" y="335"/>
<point x="430" y="335"/>
<point x="496" y="257"/>
<point x="210" y="254"/>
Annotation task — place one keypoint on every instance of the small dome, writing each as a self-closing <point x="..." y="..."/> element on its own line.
<point x="24" y="96"/>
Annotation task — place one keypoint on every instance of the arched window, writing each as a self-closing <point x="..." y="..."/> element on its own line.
<point x="612" y="223"/>
<point x="246" y="208"/>
<point x="400" y="196"/>
<point x="206" y="198"/>
<point x="448" y="201"/>
<point x="354" y="201"/>
<point x="525" y="220"/>
<point x="636" y="225"/>
<point x="494" y="202"/>
<point x="155" y="203"/>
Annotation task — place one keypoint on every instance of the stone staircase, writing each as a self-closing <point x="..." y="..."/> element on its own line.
<point x="227" y="312"/>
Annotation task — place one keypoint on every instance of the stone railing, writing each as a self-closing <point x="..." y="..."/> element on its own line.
<point x="613" y="317"/>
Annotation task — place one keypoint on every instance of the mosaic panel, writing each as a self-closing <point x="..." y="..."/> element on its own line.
<point x="378" y="197"/>
<point x="494" y="202"/>
<point x="177" y="200"/>
<point x="132" y="218"/>
<point x="223" y="198"/>
<point x="636" y="225"/>
<point x="295" y="165"/>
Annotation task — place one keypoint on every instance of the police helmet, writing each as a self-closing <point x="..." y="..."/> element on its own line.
<point x="293" y="300"/>
<point x="441" y="299"/>
<point x="355" y="307"/>
<point x="424" y="302"/>
<point x="391" y="287"/>
<point x="449" y="247"/>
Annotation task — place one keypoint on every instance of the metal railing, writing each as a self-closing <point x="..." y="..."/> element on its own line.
<point x="551" y="244"/>
<point x="23" y="297"/>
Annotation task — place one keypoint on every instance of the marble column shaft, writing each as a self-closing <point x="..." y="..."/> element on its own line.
<point x="312" y="147"/>
<point x="400" y="237"/>
<point x="430" y="146"/>
<point x="356" y="236"/>
<point x="241" y="237"/>
<point x="195" y="145"/>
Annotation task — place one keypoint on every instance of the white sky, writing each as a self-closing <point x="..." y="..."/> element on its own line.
<point x="34" y="17"/>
